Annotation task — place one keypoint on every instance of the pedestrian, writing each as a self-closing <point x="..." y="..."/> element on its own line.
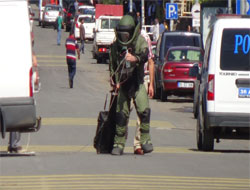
<point x="156" y="30"/>
<point x="59" y="23"/>
<point x="71" y="49"/>
<point x="82" y="36"/>
<point x="149" y="85"/>
<point x="14" y="142"/>
<point x="129" y="53"/>
<point x="189" y="28"/>
<point x="76" y="4"/>
<point x="138" y="17"/>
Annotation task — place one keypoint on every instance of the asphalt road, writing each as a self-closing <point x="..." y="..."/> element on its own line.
<point x="65" y="157"/>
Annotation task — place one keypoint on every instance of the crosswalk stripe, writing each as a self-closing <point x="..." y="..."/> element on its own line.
<point x="53" y="148"/>
<point x="119" y="182"/>
<point x="93" y="122"/>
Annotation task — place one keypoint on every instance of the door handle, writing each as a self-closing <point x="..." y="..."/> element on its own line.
<point x="242" y="82"/>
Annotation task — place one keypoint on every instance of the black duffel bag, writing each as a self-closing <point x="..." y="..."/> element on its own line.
<point x="105" y="132"/>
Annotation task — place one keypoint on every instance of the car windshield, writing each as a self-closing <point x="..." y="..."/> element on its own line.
<point x="87" y="11"/>
<point x="235" y="48"/>
<point x="184" y="55"/>
<point x="87" y="19"/>
<point x="181" y="41"/>
<point x="53" y="8"/>
<point x="106" y="25"/>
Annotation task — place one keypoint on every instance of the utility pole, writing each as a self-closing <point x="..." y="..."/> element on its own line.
<point x="142" y="12"/>
<point x="172" y="21"/>
<point x="230" y="11"/>
<point x="131" y="6"/>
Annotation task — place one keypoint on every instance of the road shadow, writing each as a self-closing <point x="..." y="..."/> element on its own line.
<point x="223" y="151"/>
<point x="185" y="109"/>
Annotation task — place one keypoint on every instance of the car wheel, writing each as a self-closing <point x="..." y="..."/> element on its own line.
<point x="163" y="95"/>
<point x="39" y="23"/>
<point x="156" y="90"/>
<point x="99" y="59"/>
<point x="195" y="101"/>
<point x="43" y="25"/>
<point x="204" y="135"/>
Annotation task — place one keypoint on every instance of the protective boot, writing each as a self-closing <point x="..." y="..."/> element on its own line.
<point x="146" y="143"/>
<point x="117" y="150"/>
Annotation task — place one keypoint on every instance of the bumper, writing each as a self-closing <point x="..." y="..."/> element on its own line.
<point x="235" y="120"/>
<point x="18" y="114"/>
<point x="49" y="20"/>
<point x="178" y="85"/>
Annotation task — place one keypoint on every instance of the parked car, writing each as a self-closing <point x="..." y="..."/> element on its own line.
<point x="104" y="36"/>
<point x="50" y="14"/>
<point x="89" y="26"/>
<point x="86" y="10"/>
<point x="166" y="40"/>
<point x="31" y="16"/>
<point x="17" y="104"/>
<point x="175" y="71"/>
<point x="224" y="90"/>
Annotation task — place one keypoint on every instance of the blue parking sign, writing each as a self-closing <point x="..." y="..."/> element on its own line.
<point x="171" y="11"/>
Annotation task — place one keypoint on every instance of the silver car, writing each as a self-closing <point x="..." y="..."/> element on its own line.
<point x="51" y="12"/>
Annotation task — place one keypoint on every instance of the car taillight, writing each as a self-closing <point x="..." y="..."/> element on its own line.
<point x="77" y="26"/>
<point x="31" y="82"/>
<point x="102" y="49"/>
<point x="47" y="13"/>
<point x="210" y="91"/>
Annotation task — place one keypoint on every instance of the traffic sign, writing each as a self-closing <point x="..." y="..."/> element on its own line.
<point x="171" y="11"/>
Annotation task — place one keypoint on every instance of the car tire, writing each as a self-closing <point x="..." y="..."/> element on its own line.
<point x="195" y="101"/>
<point x="204" y="135"/>
<point x="39" y="23"/>
<point x="43" y="25"/>
<point x="163" y="95"/>
<point x="99" y="59"/>
<point x="156" y="90"/>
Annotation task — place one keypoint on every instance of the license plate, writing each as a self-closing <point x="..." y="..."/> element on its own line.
<point x="185" y="84"/>
<point x="244" y="92"/>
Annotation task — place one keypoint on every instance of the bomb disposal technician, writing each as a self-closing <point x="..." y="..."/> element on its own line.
<point x="129" y="53"/>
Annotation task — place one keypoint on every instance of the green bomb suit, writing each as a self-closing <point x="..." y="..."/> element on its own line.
<point x="133" y="87"/>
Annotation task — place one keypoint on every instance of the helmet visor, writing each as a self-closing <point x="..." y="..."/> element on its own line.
<point x="123" y="36"/>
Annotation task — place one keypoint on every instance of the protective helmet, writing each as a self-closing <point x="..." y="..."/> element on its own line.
<point x="125" y="30"/>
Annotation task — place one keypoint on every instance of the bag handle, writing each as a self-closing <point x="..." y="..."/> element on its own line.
<point x="105" y="102"/>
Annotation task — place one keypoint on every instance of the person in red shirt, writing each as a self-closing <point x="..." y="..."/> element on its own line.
<point x="71" y="49"/>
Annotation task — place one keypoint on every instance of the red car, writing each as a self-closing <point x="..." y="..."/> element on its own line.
<point x="175" y="79"/>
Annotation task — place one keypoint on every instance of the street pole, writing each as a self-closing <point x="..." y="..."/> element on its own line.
<point x="131" y="6"/>
<point x="230" y="7"/>
<point x="172" y="21"/>
<point x="142" y="12"/>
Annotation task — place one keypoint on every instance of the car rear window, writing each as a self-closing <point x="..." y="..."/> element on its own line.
<point x="184" y="55"/>
<point x="181" y="41"/>
<point x="235" y="48"/>
<point x="87" y="11"/>
<point x="87" y="19"/>
<point x="106" y="25"/>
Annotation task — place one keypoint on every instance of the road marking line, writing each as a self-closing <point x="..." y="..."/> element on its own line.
<point x="93" y="122"/>
<point x="51" y="56"/>
<point x="78" y="149"/>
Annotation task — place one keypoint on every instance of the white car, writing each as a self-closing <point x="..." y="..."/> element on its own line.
<point x="89" y="25"/>
<point x="224" y="90"/>
<point x="50" y="13"/>
<point x="86" y="10"/>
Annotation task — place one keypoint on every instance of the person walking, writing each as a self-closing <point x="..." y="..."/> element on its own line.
<point x="76" y="4"/>
<point x="59" y="24"/>
<point x="71" y="49"/>
<point x="156" y="30"/>
<point x="149" y="86"/>
<point x="82" y="36"/>
<point x="129" y="53"/>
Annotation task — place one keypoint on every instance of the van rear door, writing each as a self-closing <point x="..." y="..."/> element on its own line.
<point x="16" y="56"/>
<point x="232" y="78"/>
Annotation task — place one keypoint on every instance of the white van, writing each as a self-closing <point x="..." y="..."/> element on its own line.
<point x="224" y="91"/>
<point x="17" y="105"/>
